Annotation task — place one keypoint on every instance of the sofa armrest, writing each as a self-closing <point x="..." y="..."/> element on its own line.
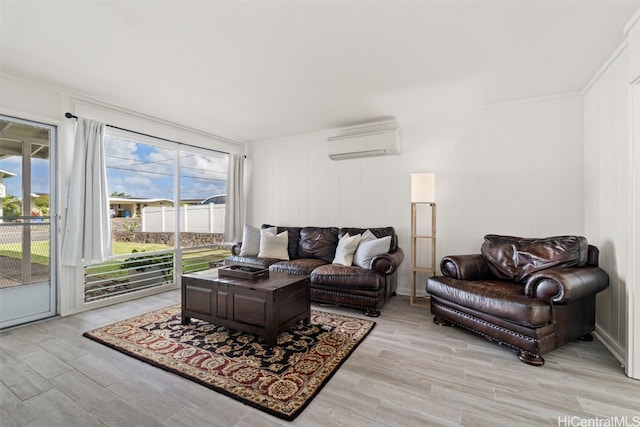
<point x="564" y="285"/>
<point x="235" y="248"/>
<point x="465" y="267"/>
<point x="387" y="263"/>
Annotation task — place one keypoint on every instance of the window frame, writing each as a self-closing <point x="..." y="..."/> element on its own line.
<point x="177" y="252"/>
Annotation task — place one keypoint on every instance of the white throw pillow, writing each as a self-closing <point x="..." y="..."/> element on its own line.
<point x="347" y="246"/>
<point x="367" y="250"/>
<point x="272" y="245"/>
<point x="250" y="241"/>
<point x="367" y="236"/>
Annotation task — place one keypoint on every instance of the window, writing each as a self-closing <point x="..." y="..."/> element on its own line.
<point x="160" y="225"/>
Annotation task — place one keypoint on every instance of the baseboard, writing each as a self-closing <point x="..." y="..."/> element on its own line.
<point x="612" y="346"/>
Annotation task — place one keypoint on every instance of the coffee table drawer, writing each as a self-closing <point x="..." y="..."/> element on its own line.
<point x="198" y="299"/>
<point x="250" y="308"/>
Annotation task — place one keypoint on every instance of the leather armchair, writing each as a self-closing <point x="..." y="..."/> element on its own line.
<point x="532" y="295"/>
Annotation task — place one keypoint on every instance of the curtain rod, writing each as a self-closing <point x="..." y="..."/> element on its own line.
<point x="71" y="116"/>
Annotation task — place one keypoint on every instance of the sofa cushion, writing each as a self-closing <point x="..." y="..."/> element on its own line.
<point x="343" y="277"/>
<point x="272" y="245"/>
<point x="318" y="242"/>
<point x="347" y="246"/>
<point x="300" y="266"/>
<point x="505" y="300"/>
<point x="516" y="258"/>
<point x="249" y="261"/>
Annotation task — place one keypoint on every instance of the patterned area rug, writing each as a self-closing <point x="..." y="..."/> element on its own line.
<point x="281" y="380"/>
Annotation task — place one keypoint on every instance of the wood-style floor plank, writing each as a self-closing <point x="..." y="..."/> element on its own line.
<point x="408" y="372"/>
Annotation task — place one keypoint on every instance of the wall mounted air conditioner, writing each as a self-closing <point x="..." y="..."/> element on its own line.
<point x="366" y="142"/>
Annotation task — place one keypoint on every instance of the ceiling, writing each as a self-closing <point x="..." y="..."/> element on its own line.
<point x="13" y="136"/>
<point x="258" y="70"/>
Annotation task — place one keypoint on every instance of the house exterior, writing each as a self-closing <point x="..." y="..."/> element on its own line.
<point x="3" y="193"/>
<point x="130" y="207"/>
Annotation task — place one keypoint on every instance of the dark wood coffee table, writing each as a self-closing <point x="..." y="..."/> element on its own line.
<point x="263" y="307"/>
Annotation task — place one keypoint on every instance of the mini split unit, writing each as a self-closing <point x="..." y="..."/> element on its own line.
<point x="366" y="141"/>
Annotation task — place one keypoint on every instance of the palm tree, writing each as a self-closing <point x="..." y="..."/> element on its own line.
<point x="119" y="194"/>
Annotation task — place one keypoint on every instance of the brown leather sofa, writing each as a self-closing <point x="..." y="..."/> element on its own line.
<point x="532" y="295"/>
<point x="311" y="252"/>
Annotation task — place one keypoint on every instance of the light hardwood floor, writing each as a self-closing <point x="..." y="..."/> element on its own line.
<point x="407" y="372"/>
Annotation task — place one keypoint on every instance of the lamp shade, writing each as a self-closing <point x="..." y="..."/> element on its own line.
<point x="423" y="187"/>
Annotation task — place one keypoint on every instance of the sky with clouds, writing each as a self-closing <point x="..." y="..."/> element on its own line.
<point x="144" y="171"/>
<point x="138" y="170"/>
<point x="39" y="176"/>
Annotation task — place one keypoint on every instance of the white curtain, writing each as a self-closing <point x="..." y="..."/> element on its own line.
<point x="234" y="204"/>
<point x="87" y="237"/>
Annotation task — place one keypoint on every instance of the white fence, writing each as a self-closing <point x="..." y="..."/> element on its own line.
<point x="194" y="219"/>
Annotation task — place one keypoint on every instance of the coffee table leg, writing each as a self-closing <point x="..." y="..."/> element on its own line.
<point x="271" y="337"/>
<point x="186" y="320"/>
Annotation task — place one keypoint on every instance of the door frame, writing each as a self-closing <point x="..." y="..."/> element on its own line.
<point x="54" y="198"/>
<point x="633" y="282"/>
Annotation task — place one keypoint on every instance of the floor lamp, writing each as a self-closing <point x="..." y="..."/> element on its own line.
<point x="423" y="231"/>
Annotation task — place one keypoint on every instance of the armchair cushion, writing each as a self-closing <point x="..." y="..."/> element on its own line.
<point x="495" y="297"/>
<point x="517" y="258"/>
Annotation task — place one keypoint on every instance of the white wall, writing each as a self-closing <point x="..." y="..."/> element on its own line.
<point x="38" y="102"/>
<point x="633" y="351"/>
<point x="509" y="169"/>
<point x="612" y="191"/>
<point x="607" y="203"/>
<point x="632" y="29"/>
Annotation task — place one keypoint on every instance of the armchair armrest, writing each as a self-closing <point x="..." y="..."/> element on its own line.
<point x="564" y="285"/>
<point x="387" y="263"/>
<point x="465" y="267"/>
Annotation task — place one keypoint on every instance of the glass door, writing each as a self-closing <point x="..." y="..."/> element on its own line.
<point x="27" y="221"/>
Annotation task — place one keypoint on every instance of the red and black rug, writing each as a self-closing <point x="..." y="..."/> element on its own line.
<point x="281" y="380"/>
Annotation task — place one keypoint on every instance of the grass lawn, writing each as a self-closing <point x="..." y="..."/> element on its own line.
<point x="123" y="248"/>
<point x="195" y="261"/>
<point x="40" y="255"/>
<point x="39" y="251"/>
